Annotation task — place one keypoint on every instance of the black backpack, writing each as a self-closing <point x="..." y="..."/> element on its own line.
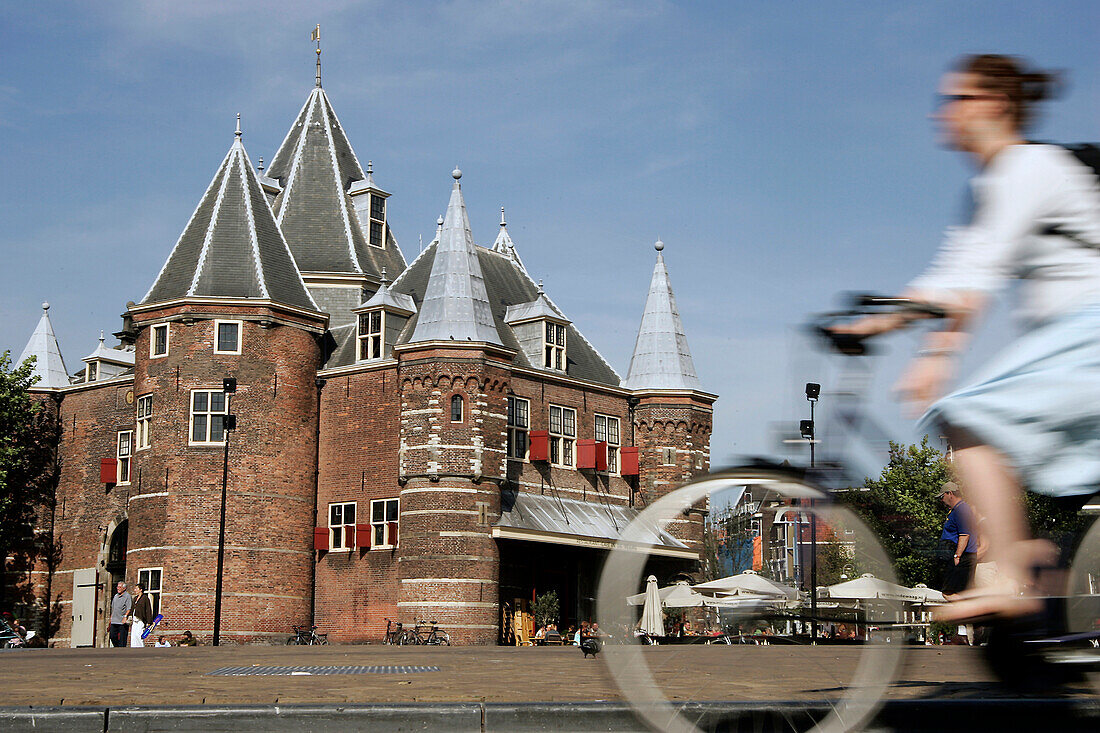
<point x="1088" y="154"/>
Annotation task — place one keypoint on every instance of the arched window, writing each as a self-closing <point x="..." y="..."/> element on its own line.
<point x="456" y="408"/>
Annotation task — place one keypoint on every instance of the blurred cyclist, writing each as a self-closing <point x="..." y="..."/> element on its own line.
<point x="1031" y="416"/>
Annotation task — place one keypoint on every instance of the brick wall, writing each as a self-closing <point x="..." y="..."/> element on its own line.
<point x="356" y="590"/>
<point x="87" y="510"/>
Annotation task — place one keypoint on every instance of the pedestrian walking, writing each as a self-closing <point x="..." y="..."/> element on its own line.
<point x="141" y="615"/>
<point x="958" y="533"/>
<point x="121" y="603"/>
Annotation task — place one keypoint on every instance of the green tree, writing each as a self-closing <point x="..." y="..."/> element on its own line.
<point x="902" y="509"/>
<point x="547" y="610"/>
<point x="28" y="442"/>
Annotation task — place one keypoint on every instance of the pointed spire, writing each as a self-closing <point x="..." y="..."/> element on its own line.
<point x="504" y="244"/>
<point x="456" y="304"/>
<point x="661" y="357"/>
<point x="232" y="247"/>
<point x="49" y="367"/>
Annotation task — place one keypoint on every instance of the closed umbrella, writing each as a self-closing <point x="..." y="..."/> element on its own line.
<point x="749" y="582"/>
<point x="653" y="623"/>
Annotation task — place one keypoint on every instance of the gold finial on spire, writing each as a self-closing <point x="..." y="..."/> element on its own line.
<point x="316" y="36"/>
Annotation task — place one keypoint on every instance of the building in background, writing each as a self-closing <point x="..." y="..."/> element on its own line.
<point x="433" y="440"/>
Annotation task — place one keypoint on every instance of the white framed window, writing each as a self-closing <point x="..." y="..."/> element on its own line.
<point x="341" y="525"/>
<point x="377" y="220"/>
<point x="371" y="342"/>
<point x="91" y="373"/>
<point x="150" y="579"/>
<point x="227" y="337"/>
<point x="554" y="343"/>
<point x="144" y="418"/>
<point x="457" y="404"/>
<point x="158" y="341"/>
<point x="563" y="436"/>
<point x="124" y="452"/>
<point x="519" y="422"/>
<point x="383" y="522"/>
<point x="607" y="430"/>
<point x="208" y="410"/>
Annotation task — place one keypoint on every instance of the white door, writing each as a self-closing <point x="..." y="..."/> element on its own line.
<point x="84" y="595"/>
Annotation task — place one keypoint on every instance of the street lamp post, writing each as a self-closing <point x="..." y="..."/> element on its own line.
<point x="229" y="423"/>
<point x="813" y="391"/>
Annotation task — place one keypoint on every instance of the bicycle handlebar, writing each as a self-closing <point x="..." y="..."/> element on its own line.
<point x="866" y="304"/>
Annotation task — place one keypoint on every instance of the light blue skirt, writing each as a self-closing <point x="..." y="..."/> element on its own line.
<point x="1038" y="402"/>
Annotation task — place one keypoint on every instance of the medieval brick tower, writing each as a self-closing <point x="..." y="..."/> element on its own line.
<point x="454" y="380"/>
<point x="672" y="415"/>
<point x="228" y="304"/>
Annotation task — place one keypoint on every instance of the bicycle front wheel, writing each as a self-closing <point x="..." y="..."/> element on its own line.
<point x="1083" y="609"/>
<point x="766" y="608"/>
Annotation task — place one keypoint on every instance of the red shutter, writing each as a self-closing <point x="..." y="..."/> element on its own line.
<point x="363" y="535"/>
<point x="108" y="470"/>
<point x="320" y="538"/>
<point x="540" y="445"/>
<point x="628" y="461"/>
<point x="601" y="455"/>
<point x="586" y="454"/>
<point x="393" y="533"/>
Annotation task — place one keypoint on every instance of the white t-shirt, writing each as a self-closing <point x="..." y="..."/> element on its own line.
<point x="1024" y="190"/>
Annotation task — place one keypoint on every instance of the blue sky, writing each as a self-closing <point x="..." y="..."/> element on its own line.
<point x="781" y="150"/>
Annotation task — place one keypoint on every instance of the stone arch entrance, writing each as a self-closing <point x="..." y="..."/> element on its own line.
<point x="115" y="563"/>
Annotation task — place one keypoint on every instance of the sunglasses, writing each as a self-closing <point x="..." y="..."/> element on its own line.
<point x="941" y="100"/>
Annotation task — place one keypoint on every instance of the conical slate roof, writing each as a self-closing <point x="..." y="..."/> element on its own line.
<point x="661" y="357"/>
<point x="315" y="166"/>
<point x="456" y="305"/>
<point x="49" y="367"/>
<point x="232" y="247"/>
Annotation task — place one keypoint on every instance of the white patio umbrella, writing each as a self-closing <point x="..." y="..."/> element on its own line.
<point x="869" y="588"/>
<point x="749" y="582"/>
<point x="653" y="623"/>
<point x="928" y="596"/>
<point x="678" y="595"/>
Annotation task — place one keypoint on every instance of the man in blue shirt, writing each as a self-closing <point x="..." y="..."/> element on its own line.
<point x="958" y="533"/>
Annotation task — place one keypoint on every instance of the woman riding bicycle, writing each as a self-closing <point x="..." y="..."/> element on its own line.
<point x="1031" y="416"/>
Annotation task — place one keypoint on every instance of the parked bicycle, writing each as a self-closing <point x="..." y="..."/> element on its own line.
<point x="394" y="631"/>
<point x="425" y="632"/>
<point x="307" y="636"/>
<point x="1059" y="646"/>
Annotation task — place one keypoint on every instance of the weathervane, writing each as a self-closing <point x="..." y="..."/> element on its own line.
<point x="316" y="36"/>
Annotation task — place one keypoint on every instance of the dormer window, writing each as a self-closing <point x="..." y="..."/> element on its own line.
<point x="555" y="346"/>
<point x="371" y="342"/>
<point x="377" y="220"/>
<point x="92" y="372"/>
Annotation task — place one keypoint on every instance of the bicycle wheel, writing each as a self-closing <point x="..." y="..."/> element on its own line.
<point x="440" y="638"/>
<point x="853" y="677"/>
<point x="292" y="641"/>
<point x="1083" y="608"/>
<point x="407" y="638"/>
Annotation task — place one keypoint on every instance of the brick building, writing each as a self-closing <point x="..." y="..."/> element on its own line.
<point x="427" y="440"/>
